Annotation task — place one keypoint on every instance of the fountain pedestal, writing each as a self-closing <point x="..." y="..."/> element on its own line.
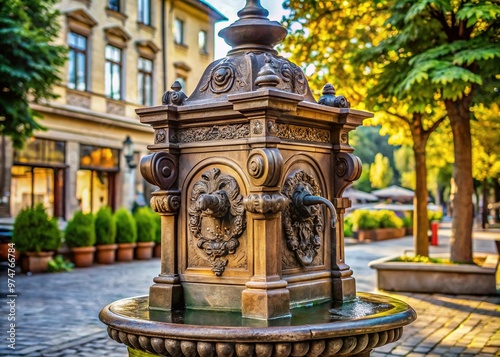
<point x="251" y="172"/>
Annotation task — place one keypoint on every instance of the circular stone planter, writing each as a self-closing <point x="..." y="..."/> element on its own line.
<point x="83" y="256"/>
<point x="144" y="250"/>
<point x="106" y="253"/>
<point x="125" y="252"/>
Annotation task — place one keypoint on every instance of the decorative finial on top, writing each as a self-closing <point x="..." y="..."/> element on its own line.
<point x="253" y="31"/>
<point x="253" y="8"/>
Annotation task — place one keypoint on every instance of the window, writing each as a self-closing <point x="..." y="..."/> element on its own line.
<point x="144" y="12"/>
<point x="77" y="61"/>
<point x="94" y="190"/>
<point x="113" y="73"/>
<point x="114" y="5"/>
<point x="41" y="151"/>
<point x="202" y="42"/>
<point x="38" y="175"/>
<point x="95" y="157"/>
<point x="179" y="32"/>
<point x="145" y="81"/>
<point x="95" y="180"/>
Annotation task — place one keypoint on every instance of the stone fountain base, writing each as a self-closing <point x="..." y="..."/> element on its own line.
<point x="352" y="329"/>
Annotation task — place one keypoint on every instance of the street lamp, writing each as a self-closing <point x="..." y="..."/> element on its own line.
<point x="128" y="152"/>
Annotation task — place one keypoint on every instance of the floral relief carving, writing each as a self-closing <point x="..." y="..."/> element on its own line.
<point x="216" y="217"/>
<point x="303" y="133"/>
<point x="216" y="132"/>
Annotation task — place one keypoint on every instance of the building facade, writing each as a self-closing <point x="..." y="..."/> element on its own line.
<point x="123" y="54"/>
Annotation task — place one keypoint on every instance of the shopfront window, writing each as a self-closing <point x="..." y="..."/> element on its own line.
<point x="95" y="181"/>
<point x="38" y="177"/>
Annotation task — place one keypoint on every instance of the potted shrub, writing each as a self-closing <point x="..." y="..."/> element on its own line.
<point x="377" y="225"/>
<point x="36" y="235"/>
<point x="79" y="236"/>
<point x="126" y="235"/>
<point x="157" y="248"/>
<point x="348" y="231"/>
<point x="146" y="229"/>
<point x="364" y="223"/>
<point x="105" y="234"/>
<point x="390" y="225"/>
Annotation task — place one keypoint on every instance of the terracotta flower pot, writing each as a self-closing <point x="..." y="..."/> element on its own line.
<point x="125" y="252"/>
<point x="36" y="262"/>
<point x="106" y="253"/>
<point x="4" y="252"/>
<point x="83" y="256"/>
<point x="157" y="250"/>
<point x="144" y="250"/>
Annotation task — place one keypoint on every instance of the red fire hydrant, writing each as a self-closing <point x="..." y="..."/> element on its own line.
<point x="434" y="233"/>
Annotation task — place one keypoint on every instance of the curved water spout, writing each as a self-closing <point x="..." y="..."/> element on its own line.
<point x="309" y="200"/>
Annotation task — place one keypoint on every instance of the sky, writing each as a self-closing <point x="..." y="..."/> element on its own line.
<point x="229" y="8"/>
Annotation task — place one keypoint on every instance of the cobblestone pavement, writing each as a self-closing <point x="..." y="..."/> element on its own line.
<point x="57" y="314"/>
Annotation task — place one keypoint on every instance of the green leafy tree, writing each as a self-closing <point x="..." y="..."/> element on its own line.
<point x="29" y="63"/>
<point x="363" y="183"/>
<point x="380" y="172"/>
<point x="453" y="49"/>
<point x="405" y="164"/>
<point x="373" y="73"/>
<point x="421" y="60"/>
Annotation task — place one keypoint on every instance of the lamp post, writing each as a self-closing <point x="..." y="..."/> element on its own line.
<point x="128" y="152"/>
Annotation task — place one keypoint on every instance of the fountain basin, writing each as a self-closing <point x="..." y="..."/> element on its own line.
<point x="351" y="329"/>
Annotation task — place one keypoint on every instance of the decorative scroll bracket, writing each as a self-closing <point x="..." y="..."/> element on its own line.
<point x="348" y="169"/>
<point x="264" y="166"/>
<point x="160" y="169"/>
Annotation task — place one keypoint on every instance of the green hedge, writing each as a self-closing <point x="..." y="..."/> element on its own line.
<point x="105" y="227"/>
<point x="371" y="219"/>
<point x="125" y="226"/>
<point x="80" y="231"/>
<point x="145" y="224"/>
<point x="348" y="231"/>
<point x="34" y="231"/>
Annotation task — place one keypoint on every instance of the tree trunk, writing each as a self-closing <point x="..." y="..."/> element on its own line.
<point x="461" y="229"/>
<point x="496" y="187"/>
<point x="420" y="220"/>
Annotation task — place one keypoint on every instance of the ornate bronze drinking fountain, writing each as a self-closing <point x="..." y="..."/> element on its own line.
<point x="251" y="171"/>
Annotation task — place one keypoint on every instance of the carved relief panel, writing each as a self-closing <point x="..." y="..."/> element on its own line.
<point x="216" y="222"/>
<point x="303" y="225"/>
